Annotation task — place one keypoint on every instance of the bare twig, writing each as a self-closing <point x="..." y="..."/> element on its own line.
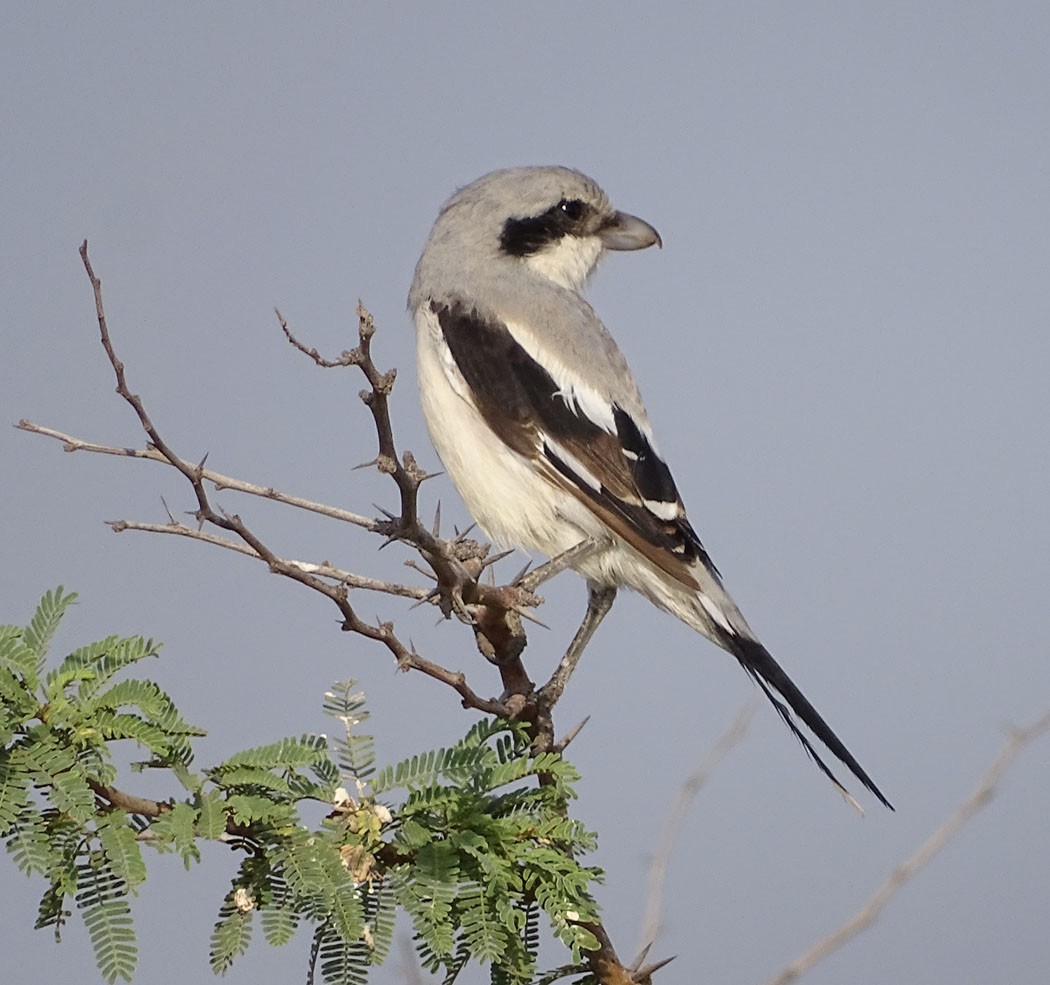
<point x="691" y="786"/>
<point x="404" y="470"/>
<point x="867" y="915"/>
<point x="322" y="570"/>
<point x="562" y="744"/>
<point x="217" y="479"/>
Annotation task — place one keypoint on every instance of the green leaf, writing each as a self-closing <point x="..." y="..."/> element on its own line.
<point x="115" y="726"/>
<point x="354" y="751"/>
<point x="65" y="843"/>
<point x="380" y="909"/>
<point x="428" y="895"/>
<point x="15" y="778"/>
<point x="286" y="753"/>
<point x="346" y="917"/>
<point x="113" y="939"/>
<point x="18" y="703"/>
<point x="78" y="666"/>
<point x="177" y="828"/>
<point x="433" y="798"/>
<point x="51" y="912"/>
<point x="233" y="930"/>
<point x="121" y="848"/>
<point x="483" y="932"/>
<point x="322" y="887"/>
<point x="70" y="793"/>
<point x="279" y="923"/>
<point x="245" y="808"/>
<point x="119" y="654"/>
<point x="102" y="900"/>
<point x="18" y="659"/>
<point x="253" y="776"/>
<point x="152" y="702"/>
<point x="48" y="615"/>
<point x="341" y="963"/>
<point x="30" y="846"/>
<point x="55" y="765"/>
<point x="411" y="835"/>
<point x="459" y="763"/>
<point x="211" y="822"/>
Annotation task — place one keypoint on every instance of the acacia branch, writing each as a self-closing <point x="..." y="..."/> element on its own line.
<point x="327" y="580"/>
<point x="403" y="470"/>
<point x="495" y="612"/>
<point x="217" y="479"/>
<point x="127" y="802"/>
<point x="322" y="570"/>
<point x="457" y="563"/>
<point x="868" y="914"/>
<point x="193" y="474"/>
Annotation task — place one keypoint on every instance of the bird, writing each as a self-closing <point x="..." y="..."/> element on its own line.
<point x="539" y="423"/>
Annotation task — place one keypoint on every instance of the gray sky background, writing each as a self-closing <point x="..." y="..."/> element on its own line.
<point x="843" y="347"/>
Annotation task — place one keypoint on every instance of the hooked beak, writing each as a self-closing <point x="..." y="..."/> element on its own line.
<point x="628" y="232"/>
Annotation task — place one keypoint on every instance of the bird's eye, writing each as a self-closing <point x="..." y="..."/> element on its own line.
<point x="572" y="207"/>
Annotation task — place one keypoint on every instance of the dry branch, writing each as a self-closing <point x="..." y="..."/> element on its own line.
<point x="495" y="612"/>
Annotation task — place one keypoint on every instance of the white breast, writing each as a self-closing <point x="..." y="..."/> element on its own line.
<point x="511" y="501"/>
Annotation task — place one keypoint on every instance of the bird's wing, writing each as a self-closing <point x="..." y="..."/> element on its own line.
<point x="582" y="441"/>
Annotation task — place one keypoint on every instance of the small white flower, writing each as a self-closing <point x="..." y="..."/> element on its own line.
<point x="242" y="899"/>
<point x="342" y="798"/>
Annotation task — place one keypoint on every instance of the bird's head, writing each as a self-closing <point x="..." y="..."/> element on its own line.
<point x="555" y="221"/>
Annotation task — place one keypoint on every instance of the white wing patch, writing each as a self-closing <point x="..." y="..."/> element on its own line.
<point x="428" y="322"/>
<point x="662" y="509"/>
<point x="581" y="399"/>
<point x="578" y="396"/>
<point x="577" y="467"/>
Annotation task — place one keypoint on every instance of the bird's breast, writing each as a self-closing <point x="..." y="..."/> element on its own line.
<point x="514" y="504"/>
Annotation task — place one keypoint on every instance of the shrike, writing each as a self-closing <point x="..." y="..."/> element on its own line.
<point x="539" y="422"/>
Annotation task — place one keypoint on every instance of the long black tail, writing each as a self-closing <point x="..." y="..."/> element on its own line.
<point x="770" y="676"/>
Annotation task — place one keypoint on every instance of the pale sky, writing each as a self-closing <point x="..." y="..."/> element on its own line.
<point x="843" y="347"/>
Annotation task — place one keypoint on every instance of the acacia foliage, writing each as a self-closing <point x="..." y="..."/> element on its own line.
<point x="473" y="842"/>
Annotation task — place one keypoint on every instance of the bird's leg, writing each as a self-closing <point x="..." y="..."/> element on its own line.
<point x="600" y="599"/>
<point x="574" y="555"/>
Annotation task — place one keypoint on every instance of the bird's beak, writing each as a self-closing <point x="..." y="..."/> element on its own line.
<point x="628" y="232"/>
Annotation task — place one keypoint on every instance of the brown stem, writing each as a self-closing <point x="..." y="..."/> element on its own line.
<point x="127" y="802"/>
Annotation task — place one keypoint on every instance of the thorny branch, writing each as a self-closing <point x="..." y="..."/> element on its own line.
<point x="495" y="612"/>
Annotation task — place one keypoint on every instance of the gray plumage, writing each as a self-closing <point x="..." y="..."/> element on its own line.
<point x="537" y="417"/>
